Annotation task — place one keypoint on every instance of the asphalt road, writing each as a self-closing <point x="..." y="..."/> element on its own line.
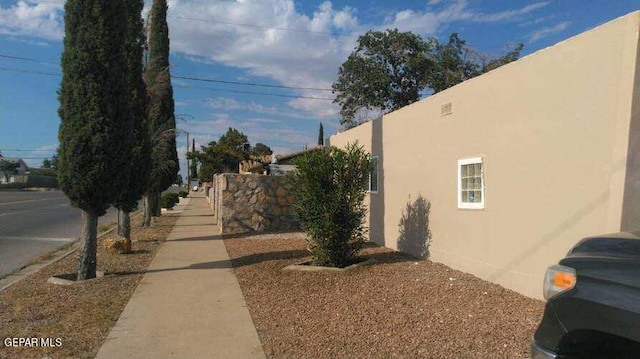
<point x="35" y="223"/>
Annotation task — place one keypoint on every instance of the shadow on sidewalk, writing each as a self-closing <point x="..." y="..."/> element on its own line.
<point x="227" y="264"/>
<point x="214" y="237"/>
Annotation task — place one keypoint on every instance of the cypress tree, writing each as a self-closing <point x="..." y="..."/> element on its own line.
<point x="137" y="164"/>
<point x="194" y="164"/>
<point x="321" y="135"/>
<point x="93" y="131"/>
<point x="161" y="118"/>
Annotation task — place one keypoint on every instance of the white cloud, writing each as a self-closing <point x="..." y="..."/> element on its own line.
<point x="33" y="19"/>
<point x="510" y="14"/>
<point x="303" y="108"/>
<point x="544" y="32"/>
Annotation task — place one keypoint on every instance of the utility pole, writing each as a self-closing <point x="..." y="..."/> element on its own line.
<point x="180" y="116"/>
<point x="188" y="168"/>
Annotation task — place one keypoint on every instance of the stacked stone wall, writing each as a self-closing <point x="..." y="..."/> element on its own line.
<point x="244" y="203"/>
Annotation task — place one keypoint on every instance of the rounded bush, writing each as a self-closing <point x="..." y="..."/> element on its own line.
<point x="169" y="200"/>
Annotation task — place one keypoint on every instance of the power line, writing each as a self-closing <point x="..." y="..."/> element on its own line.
<point x="23" y="150"/>
<point x="254" y="93"/>
<point x="191" y="78"/>
<point x="187" y="86"/>
<point x="34" y="158"/>
<point x="5" y="69"/>
<point x="28" y="59"/>
<point x="250" y="83"/>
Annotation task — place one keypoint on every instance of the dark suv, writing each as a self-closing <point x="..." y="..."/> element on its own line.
<point x="593" y="301"/>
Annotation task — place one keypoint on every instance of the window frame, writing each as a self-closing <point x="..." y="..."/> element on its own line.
<point x="376" y="160"/>
<point x="471" y="205"/>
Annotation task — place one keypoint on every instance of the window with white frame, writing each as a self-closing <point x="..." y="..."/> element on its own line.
<point x="470" y="183"/>
<point x="373" y="176"/>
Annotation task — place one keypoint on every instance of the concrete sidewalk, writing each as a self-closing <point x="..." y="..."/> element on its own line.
<point x="189" y="303"/>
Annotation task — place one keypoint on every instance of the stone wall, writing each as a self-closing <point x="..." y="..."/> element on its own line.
<point x="244" y="203"/>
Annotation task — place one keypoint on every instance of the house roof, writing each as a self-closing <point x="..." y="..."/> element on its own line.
<point x="290" y="156"/>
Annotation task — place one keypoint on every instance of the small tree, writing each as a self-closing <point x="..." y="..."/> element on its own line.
<point x="329" y="192"/>
<point x="321" y="135"/>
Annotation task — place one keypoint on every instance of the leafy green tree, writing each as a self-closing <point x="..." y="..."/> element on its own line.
<point x="321" y="135"/>
<point x="260" y="149"/>
<point x="54" y="160"/>
<point x="456" y="62"/>
<point x="161" y="117"/>
<point x="386" y="71"/>
<point x="7" y="168"/>
<point x="225" y="155"/>
<point x="136" y="164"/>
<point x="46" y="163"/>
<point x="329" y="191"/>
<point x="94" y="128"/>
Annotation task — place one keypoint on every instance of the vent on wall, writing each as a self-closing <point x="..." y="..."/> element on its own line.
<point x="446" y="109"/>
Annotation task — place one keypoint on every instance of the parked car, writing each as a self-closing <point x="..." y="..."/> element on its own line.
<point x="593" y="301"/>
<point x="195" y="188"/>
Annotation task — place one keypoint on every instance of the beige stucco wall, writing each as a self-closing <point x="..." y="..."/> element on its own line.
<point x="553" y="132"/>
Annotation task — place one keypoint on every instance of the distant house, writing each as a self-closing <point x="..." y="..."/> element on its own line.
<point x="519" y="163"/>
<point x="281" y="164"/>
<point x="21" y="170"/>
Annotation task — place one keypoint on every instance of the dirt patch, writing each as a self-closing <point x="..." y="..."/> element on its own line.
<point x="81" y="315"/>
<point x="397" y="307"/>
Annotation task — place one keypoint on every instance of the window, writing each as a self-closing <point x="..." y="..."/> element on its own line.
<point x="470" y="183"/>
<point x="373" y="176"/>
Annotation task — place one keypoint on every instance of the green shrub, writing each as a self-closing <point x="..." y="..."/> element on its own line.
<point x="183" y="194"/>
<point x="329" y="191"/>
<point x="169" y="200"/>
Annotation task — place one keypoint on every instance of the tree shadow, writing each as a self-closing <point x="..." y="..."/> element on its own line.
<point x="415" y="234"/>
<point x="213" y="237"/>
<point x="389" y="257"/>
<point x="137" y="251"/>
<point x="269" y="256"/>
<point x="228" y="263"/>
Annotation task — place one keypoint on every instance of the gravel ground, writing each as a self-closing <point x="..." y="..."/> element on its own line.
<point x="398" y="307"/>
<point x="80" y="315"/>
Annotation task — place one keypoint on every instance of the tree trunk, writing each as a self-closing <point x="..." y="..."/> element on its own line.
<point x="156" y="205"/>
<point x="124" y="230"/>
<point x="146" y="221"/>
<point x="89" y="239"/>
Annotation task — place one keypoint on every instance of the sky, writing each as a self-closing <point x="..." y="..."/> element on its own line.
<point x="264" y="67"/>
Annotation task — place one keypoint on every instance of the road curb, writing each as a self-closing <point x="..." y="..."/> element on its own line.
<point x="58" y="255"/>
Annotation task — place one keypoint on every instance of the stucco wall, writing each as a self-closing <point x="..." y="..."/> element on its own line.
<point x="245" y="203"/>
<point x="553" y="132"/>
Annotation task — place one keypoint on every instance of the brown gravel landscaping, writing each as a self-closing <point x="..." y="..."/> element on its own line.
<point x="398" y="307"/>
<point x="80" y="315"/>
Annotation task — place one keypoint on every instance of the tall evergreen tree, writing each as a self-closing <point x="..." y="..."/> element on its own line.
<point x="321" y="135"/>
<point x="94" y="132"/>
<point x="137" y="164"/>
<point x="194" y="164"/>
<point x="161" y="117"/>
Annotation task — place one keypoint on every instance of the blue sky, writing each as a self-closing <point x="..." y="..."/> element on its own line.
<point x="295" y="44"/>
